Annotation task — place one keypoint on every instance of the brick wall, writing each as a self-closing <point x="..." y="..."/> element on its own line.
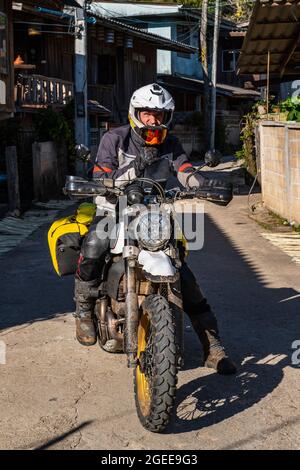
<point x="231" y="120"/>
<point x="280" y="168"/>
<point x="191" y="139"/>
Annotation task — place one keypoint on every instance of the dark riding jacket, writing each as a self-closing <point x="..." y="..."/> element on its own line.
<point x="119" y="148"/>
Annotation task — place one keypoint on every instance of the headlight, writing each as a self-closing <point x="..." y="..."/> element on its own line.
<point x="152" y="230"/>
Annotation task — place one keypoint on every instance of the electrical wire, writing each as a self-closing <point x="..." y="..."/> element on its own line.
<point x="115" y="14"/>
<point x="251" y="189"/>
<point x="138" y="21"/>
<point x="61" y="25"/>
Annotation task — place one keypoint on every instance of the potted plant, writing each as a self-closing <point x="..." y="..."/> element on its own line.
<point x="54" y="137"/>
<point x="276" y="108"/>
<point x="291" y="109"/>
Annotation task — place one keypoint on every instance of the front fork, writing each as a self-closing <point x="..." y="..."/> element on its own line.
<point x="175" y="302"/>
<point x="174" y="298"/>
<point x="132" y="307"/>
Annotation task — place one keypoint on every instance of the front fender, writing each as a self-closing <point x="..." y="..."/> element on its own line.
<point x="157" y="266"/>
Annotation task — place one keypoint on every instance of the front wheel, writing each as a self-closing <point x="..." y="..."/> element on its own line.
<point x="155" y="376"/>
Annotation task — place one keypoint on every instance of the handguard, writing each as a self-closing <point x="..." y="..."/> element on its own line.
<point x="81" y="187"/>
<point x="216" y="191"/>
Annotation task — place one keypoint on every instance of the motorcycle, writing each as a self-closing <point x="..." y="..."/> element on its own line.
<point x="138" y="302"/>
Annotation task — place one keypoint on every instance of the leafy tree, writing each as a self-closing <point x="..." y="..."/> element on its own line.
<point x="241" y="9"/>
<point x="235" y="10"/>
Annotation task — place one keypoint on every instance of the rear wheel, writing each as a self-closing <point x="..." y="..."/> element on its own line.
<point x="155" y="376"/>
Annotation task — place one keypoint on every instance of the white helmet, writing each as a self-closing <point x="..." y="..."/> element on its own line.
<point x="155" y="98"/>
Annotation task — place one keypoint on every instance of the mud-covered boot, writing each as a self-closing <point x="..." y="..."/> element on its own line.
<point x="206" y="327"/>
<point x="85" y="304"/>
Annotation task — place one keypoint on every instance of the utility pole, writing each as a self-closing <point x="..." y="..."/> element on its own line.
<point x="214" y="74"/>
<point x="204" y="62"/>
<point x="81" y="117"/>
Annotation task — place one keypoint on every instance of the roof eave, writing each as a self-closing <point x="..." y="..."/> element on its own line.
<point x="248" y="62"/>
<point x="159" y="41"/>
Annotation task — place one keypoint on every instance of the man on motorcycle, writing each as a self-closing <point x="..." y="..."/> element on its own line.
<point x="145" y="149"/>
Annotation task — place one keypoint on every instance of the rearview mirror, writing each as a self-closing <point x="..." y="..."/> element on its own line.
<point x="82" y="152"/>
<point x="212" y="158"/>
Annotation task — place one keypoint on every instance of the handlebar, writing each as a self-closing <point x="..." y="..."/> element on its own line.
<point x="80" y="187"/>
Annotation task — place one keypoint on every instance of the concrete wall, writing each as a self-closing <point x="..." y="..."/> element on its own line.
<point x="279" y="145"/>
<point x="231" y="120"/>
<point x="49" y="169"/>
<point x="192" y="140"/>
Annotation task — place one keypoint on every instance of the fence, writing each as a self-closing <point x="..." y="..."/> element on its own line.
<point x="279" y="155"/>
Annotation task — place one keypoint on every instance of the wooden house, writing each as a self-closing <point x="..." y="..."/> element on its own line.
<point x="6" y="70"/>
<point x="120" y="58"/>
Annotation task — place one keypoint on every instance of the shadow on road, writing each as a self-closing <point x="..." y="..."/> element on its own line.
<point x="62" y="437"/>
<point x="256" y="322"/>
<point x="258" y="325"/>
<point x="30" y="289"/>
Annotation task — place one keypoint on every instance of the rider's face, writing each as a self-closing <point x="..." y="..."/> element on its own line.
<point x="151" y="118"/>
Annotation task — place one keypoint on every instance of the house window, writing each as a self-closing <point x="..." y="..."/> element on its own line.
<point x="3" y="43"/>
<point x="184" y="36"/>
<point x="229" y="60"/>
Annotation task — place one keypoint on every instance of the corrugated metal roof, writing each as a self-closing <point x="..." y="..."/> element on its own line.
<point x="143" y="10"/>
<point x="197" y="85"/>
<point x="274" y="27"/>
<point x="132" y="9"/>
<point x="159" y="41"/>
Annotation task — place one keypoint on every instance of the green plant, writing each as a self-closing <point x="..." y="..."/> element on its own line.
<point x="57" y="126"/>
<point x="50" y="125"/>
<point x="248" y="140"/>
<point x="240" y="154"/>
<point x="292" y="106"/>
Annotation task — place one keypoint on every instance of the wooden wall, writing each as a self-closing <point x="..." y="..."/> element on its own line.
<point x="130" y="68"/>
<point x="59" y="56"/>
<point x="7" y="78"/>
<point x="111" y="66"/>
<point x="51" y="53"/>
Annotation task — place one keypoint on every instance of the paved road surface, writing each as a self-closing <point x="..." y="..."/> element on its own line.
<point x="56" y="394"/>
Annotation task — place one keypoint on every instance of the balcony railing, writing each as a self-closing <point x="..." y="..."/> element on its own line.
<point x="40" y="91"/>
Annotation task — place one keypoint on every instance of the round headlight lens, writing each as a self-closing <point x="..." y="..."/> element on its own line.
<point x="153" y="230"/>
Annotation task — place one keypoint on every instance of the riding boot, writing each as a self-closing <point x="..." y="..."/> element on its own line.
<point x="206" y="327"/>
<point x="85" y="304"/>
